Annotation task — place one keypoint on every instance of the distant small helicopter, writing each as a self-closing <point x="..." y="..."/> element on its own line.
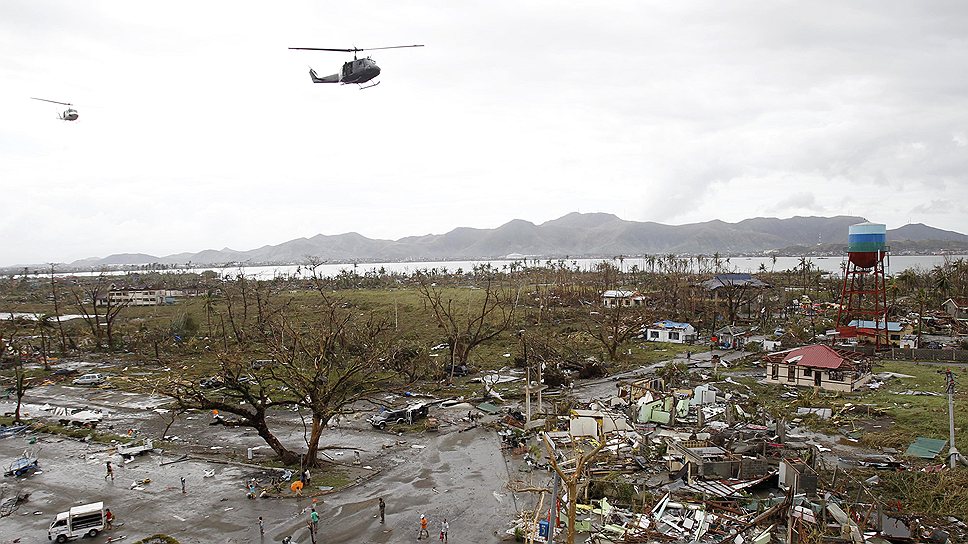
<point x="69" y="115"/>
<point x="357" y="71"/>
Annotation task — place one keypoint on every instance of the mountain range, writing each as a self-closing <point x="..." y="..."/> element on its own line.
<point x="573" y="235"/>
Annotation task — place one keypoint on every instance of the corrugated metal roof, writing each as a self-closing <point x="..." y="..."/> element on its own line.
<point x="666" y="324"/>
<point x="816" y="356"/>
<point x="892" y="326"/>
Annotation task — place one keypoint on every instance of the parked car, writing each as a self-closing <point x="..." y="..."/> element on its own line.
<point x="90" y="379"/>
<point x="410" y="414"/>
<point x="210" y="383"/>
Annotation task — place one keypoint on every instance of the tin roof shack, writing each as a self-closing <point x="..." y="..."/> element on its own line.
<point x="731" y="337"/>
<point x="867" y="330"/>
<point x="819" y="366"/>
<point x="701" y="458"/>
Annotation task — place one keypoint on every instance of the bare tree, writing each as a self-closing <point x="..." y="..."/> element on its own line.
<point x="614" y="326"/>
<point x="97" y="291"/>
<point x="468" y="324"/>
<point x="329" y="364"/>
<point x="573" y="481"/>
<point x="323" y="364"/>
<point x="56" y="300"/>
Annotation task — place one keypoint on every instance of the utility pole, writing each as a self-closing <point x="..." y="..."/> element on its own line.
<point x="527" y="386"/>
<point x="527" y="396"/>
<point x="553" y="517"/>
<point x="953" y="454"/>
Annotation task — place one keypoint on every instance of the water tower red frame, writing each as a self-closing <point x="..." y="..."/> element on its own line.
<point x="864" y="295"/>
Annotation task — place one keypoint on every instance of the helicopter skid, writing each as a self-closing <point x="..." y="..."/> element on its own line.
<point x="363" y="88"/>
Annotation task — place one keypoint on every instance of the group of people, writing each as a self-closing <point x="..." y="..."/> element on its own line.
<point x="424" y="532"/>
<point x="313" y="523"/>
<point x="109" y="474"/>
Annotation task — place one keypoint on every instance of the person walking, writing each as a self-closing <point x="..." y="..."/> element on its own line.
<point x="312" y="535"/>
<point x="108" y="519"/>
<point x="444" y="527"/>
<point x="110" y="471"/>
<point x="262" y="526"/>
<point x="383" y="510"/>
<point x="423" y="528"/>
<point x="314" y="519"/>
<point x="183" y="485"/>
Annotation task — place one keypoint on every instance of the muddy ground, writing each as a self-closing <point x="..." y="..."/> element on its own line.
<point x="449" y="474"/>
<point x="459" y="473"/>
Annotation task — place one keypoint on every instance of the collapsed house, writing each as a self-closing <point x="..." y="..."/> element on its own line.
<point x="654" y="464"/>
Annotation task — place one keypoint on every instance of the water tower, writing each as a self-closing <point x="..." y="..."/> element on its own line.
<point x="863" y="299"/>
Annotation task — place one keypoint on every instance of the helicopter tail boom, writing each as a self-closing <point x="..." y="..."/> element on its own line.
<point x="326" y="79"/>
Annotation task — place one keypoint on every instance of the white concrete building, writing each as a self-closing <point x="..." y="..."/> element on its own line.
<point x="670" y="331"/>
<point x="142" y="297"/>
<point x="614" y="298"/>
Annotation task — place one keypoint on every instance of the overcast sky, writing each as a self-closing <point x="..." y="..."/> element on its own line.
<point x="199" y="129"/>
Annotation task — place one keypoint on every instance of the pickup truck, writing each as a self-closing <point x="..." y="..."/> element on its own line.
<point x="407" y="415"/>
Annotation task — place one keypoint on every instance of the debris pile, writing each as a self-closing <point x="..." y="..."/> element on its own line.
<point x="705" y="465"/>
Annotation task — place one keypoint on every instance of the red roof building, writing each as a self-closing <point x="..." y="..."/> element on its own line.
<point x="819" y="366"/>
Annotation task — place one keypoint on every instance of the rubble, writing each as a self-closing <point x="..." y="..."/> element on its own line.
<point x="704" y="465"/>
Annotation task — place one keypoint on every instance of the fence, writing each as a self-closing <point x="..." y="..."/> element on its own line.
<point x="908" y="354"/>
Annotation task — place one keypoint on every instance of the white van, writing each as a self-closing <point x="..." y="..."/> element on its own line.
<point x="90" y="379"/>
<point x="87" y="519"/>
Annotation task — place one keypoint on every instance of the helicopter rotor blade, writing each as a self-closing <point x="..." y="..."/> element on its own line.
<point x="391" y="47"/>
<point x="354" y="49"/>
<point x="53" y="101"/>
<point x="324" y="49"/>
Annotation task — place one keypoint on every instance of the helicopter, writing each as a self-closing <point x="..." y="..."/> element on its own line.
<point x="357" y="71"/>
<point x="69" y="115"/>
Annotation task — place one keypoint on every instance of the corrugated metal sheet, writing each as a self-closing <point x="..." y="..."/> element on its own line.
<point x="925" y="448"/>
<point x="814" y="357"/>
<point x="892" y="326"/>
<point x="669" y="325"/>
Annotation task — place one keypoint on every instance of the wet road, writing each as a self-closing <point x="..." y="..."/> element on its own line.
<point x="460" y="476"/>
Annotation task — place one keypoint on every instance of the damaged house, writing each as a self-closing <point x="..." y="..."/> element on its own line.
<point x="670" y="331"/>
<point x="819" y="366"/>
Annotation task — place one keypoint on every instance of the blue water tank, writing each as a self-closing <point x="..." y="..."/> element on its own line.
<point x="866" y="243"/>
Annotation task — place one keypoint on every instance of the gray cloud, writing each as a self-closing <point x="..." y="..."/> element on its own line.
<point x="199" y="129"/>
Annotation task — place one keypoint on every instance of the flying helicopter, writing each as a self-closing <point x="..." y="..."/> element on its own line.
<point x="69" y="115"/>
<point x="357" y="71"/>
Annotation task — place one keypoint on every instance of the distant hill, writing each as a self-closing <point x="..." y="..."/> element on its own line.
<point x="573" y="235"/>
